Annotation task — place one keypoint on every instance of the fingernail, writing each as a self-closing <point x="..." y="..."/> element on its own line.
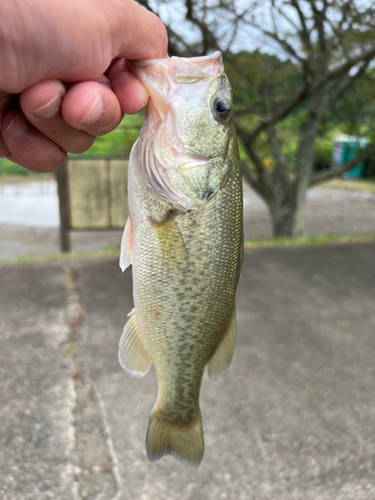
<point x="94" y="113"/>
<point x="17" y="127"/>
<point x="49" y="109"/>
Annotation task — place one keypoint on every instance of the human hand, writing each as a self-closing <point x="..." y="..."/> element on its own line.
<point x="66" y="62"/>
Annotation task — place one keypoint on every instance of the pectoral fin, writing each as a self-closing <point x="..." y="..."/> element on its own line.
<point x="126" y="257"/>
<point x="170" y="241"/>
<point x="219" y="362"/>
<point x="132" y="353"/>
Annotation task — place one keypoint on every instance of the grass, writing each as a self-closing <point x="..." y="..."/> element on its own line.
<point x="7" y="167"/>
<point x="80" y="254"/>
<point x="364" y="185"/>
<point x="69" y="349"/>
<point x="11" y="173"/>
<point x="328" y="239"/>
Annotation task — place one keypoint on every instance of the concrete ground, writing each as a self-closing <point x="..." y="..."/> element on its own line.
<point x="29" y="219"/>
<point x="293" y="419"/>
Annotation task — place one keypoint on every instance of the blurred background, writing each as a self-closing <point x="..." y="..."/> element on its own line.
<point x="294" y="417"/>
<point x="303" y="83"/>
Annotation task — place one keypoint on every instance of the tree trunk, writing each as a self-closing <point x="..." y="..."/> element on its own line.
<point x="287" y="214"/>
<point x="287" y="218"/>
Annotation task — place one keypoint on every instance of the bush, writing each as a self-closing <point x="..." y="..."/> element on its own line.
<point x="9" y="168"/>
<point x="323" y="154"/>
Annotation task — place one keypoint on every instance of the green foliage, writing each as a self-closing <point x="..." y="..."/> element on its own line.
<point x="323" y="153"/>
<point x="7" y="167"/>
<point x="260" y="81"/>
<point x="116" y="143"/>
<point x="120" y="141"/>
<point x="254" y="75"/>
<point x="9" y="170"/>
<point x="354" y="112"/>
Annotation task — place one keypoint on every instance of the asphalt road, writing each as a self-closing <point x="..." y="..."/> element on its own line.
<point x="293" y="419"/>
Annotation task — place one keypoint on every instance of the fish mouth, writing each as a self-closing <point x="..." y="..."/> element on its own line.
<point x="207" y="65"/>
<point x="162" y="76"/>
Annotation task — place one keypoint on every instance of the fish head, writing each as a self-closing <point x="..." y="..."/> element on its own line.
<point x="185" y="139"/>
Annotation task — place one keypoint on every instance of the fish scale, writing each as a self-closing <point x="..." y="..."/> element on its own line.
<point x="186" y="262"/>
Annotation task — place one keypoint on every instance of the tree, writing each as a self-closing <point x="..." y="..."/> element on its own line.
<point x="323" y="48"/>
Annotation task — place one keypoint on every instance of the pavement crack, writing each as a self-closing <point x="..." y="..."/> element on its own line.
<point x="109" y="443"/>
<point x="97" y="475"/>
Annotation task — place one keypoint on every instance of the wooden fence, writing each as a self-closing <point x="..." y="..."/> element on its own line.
<point x="92" y="195"/>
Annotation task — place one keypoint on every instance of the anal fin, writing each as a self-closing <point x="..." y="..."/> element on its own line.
<point x="219" y="362"/>
<point x="132" y="353"/>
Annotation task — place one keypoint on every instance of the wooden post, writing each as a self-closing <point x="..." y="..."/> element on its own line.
<point x="62" y="189"/>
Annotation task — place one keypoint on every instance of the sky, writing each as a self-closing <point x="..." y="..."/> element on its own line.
<point x="172" y="12"/>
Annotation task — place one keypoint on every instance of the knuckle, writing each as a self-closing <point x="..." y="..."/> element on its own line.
<point x="108" y="124"/>
<point x="80" y="147"/>
<point x="51" y="164"/>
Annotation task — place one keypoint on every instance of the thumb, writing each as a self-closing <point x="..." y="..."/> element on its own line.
<point x="72" y="41"/>
<point x="136" y="32"/>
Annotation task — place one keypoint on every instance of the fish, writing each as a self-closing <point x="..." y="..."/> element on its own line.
<point x="184" y="239"/>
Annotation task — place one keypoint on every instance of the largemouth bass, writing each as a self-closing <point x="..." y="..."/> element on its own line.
<point x="184" y="238"/>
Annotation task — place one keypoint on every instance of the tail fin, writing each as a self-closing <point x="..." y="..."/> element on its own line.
<point x="184" y="442"/>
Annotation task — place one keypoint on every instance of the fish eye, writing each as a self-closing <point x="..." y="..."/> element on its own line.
<point x="221" y="108"/>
